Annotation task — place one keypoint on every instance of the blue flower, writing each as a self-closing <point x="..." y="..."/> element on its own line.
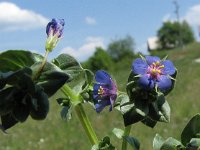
<point x="55" y="27"/>
<point x="54" y="32"/>
<point x="105" y="91"/>
<point x="154" y="73"/>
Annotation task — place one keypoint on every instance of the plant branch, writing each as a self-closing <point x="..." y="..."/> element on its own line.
<point x="38" y="73"/>
<point x="126" y="133"/>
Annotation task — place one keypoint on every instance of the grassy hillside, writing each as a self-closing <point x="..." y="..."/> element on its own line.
<point x="56" y="134"/>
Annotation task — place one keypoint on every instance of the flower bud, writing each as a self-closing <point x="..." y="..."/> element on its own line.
<point x="54" y="32"/>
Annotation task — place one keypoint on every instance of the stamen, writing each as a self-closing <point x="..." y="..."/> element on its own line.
<point x="159" y="71"/>
<point x="100" y="90"/>
<point x="157" y="63"/>
<point x="162" y="66"/>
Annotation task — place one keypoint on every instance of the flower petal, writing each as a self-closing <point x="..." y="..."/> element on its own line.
<point x="101" y="104"/>
<point x="164" y="83"/>
<point x="103" y="77"/>
<point x="151" y="59"/>
<point x="139" y="66"/>
<point x="112" y="100"/>
<point x="146" y="82"/>
<point x="95" y="91"/>
<point x="168" y="67"/>
<point x="57" y="26"/>
<point x="113" y="89"/>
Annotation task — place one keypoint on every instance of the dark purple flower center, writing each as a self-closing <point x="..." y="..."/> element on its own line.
<point x="155" y="70"/>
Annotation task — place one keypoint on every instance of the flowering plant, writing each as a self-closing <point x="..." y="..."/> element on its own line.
<point x="28" y="80"/>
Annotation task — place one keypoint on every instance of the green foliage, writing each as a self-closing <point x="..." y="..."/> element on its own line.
<point x="104" y="144"/>
<point x="174" y="34"/>
<point x="23" y="95"/>
<point x="120" y="48"/>
<point x="192" y="130"/>
<point x="14" y="60"/>
<point x="133" y="142"/>
<point x="190" y="138"/>
<point x="157" y="142"/>
<point x="68" y="64"/>
<point x="171" y="144"/>
<point x="51" y="78"/>
<point x="100" y="60"/>
<point x="118" y="133"/>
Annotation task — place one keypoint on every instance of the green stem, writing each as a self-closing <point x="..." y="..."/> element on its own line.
<point x="86" y="124"/>
<point x="38" y="73"/>
<point x="81" y="114"/>
<point x="126" y="133"/>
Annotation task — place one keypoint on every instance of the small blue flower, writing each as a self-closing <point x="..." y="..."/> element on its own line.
<point x="105" y="91"/>
<point x="54" y="32"/>
<point x="154" y="73"/>
<point x="55" y="27"/>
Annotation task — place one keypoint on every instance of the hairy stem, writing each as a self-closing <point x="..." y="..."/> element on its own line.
<point x="38" y="73"/>
<point x="86" y="124"/>
<point x="77" y="99"/>
<point x="126" y="133"/>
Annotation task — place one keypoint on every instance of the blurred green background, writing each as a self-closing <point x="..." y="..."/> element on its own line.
<point x="57" y="134"/>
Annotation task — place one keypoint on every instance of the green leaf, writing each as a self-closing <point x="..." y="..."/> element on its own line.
<point x="133" y="142"/>
<point x="157" y="142"/>
<point x="41" y="100"/>
<point x="160" y="110"/>
<point x="8" y="121"/>
<point x="21" y="112"/>
<point x="68" y="64"/>
<point x="118" y="132"/>
<point x="104" y="144"/>
<point x="22" y="80"/>
<point x="192" y="130"/>
<point x="3" y="77"/>
<point x="66" y="113"/>
<point x="63" y="101"/>
<point x="164" y="109"/>
<point x="51" y="79"/>
<point x="132" y="117"/>
<point x="17" y="59"/>
<point x="7" y="99"/>
<point x="141" y="107"/>
<point x="194" y="144"/>
<point x="89" y="76"/>
<point x="122" y="98"/>
<point x="171" y="144"/>
<point x="149" y="122"/>
<point x="128" y="110"/>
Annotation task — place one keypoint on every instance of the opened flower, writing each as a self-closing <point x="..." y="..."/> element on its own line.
<point x="54" y="32"/>
<point x="105" y="91"/>
<point x="154" y="73"/>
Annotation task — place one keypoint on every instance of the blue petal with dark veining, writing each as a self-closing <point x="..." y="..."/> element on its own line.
<point x="168" y="67"/>
<point x="146" y="82"/>
<point x="151" y="59"/>
<point x="164" y="83"/>
<point x="57" y="25"/>
<point x="139" y="66"/>
<point x="102" y="77"/>
<point x="95" y="91"/>
<point x="101" y="104"/>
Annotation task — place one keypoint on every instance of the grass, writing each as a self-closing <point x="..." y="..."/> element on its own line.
<point x="56" y="134"/>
